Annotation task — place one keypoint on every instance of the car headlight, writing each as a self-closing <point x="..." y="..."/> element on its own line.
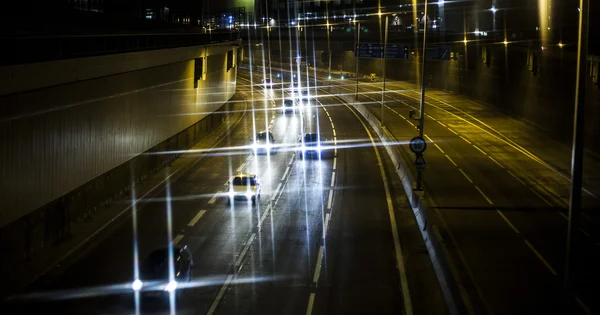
<point x="171" y="286"/>
<point x="249" y="194"/>
<point x="231" y="193"/>
<point x="137" y="285"/>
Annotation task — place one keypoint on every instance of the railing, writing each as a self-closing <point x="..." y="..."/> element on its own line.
<point x="20" y="50"/>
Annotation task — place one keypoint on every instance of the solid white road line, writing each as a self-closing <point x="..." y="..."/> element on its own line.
<point x="408" y="309"/>
<point x="330" y="199"/>
<point x="177" y="239"/>
<point x="484" y="196"/>
<point x="540" y="257"/>
<point x="467" y="141"/>
<point x="508" y="222"/>
<point x="438" y="147"/>
<point x="465" y="174"/>
<point x="214" y="198"/>
<point x="245" y="250"/>
<point x="215" y="303"/>
<point x="276" y="191"/>
<point x="476" y="147"/>
<point x="285" y="173"/>
<point x="318" y="265"/>
<point x="196" y="218"/>
<point x="451" y="160"/>
<point x="334" y="162"/>
<point x="311" y="301"/>
<point x="332" y="179"/>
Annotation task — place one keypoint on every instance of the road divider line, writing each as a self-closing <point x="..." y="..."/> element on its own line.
<point x="215" y="303"/>
<point x="318" y="265"/>
<point x="426" y="136"/>
<point x="245" y="250"/>
<point x="239" y="169"/>
<point x="333" y="130"/>
<point x="196" y="218"/>
<point x="227" y="182"/>
<point x="465" y="174"/>
<point x="276" y="191"/>
<point x="177" y="239"/>
<point x="541" y="197"/>
<point x="498" y="163"/>
<point x="484" y="196"/>
<point x="285" y="173"/>
<point x="326" y="225"/>
<point x="332" y="178"/>
<point x="311" y="302"/>
<point x="214" y="198"/>
<point x="541" y="258"/>
<point x="515" y="176"/>
<point x="451" y="160"/>
<point x="476" y="147"/>
<point x="441" y="123"/>
<point x="264" y="216"/>
<point x="584" y="307"/>
<point x="454" y="132"/>
<point x="467" y="141"/>
<point x="438" y="147"/>
<point x="292" y="159"/>
<point x="334" y="162"/>
<point x="508" y="222"/>
<point x="330" y="200"/>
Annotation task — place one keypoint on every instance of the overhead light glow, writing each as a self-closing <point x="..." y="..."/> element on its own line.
<point x="137" y="285"/>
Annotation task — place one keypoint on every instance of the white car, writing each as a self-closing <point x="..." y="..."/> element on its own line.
<point x="264" y="143"/>
<point x="244" y="186"/>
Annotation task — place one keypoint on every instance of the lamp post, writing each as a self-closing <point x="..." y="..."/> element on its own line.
<point x="357" y="57"/>
<point x="422" y="100"/>
<point x="384" y="63"/>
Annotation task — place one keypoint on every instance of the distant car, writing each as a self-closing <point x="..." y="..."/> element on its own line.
<point x="289" y="106"/>
<point x="303" y="97"/>
<point x="311" y="145"/>
<point x="244" y="187"/>
<point x="267" y="83"/>
<point x="264" y="143"/>
<point x="155" y="277"/>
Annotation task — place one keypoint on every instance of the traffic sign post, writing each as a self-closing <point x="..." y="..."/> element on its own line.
<point x="418" y="145"/>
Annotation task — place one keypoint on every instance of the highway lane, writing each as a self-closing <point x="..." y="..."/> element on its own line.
<point x="538" y="231"/>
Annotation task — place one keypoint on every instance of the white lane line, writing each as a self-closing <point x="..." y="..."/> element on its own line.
<point x="334" y="162"/>
<point x="431" y="117"/>
<point x="239" y="169"/>
<point x="214" y="198"/>
<point x="276" y="191"/>
<point x="541" y="197"/>
<point x="454" y="132"/>
<point x="292" y="159"/>
<point x="508" y="221"/>
<point x="476" y="147"/>
<point x="285" y="173"/>
<point x="325" y="225"/>
<point x="438" y="147"/>
<point x="441" y="123"/>
<point x="196" y="218"/>
<point x="264" y="216"/>
<point x="451" y="160"/>
<point x="540" y="257"/>
<point x="215" y="303"/>
<point x="318" y="265"/>
<point x="426" y="136"/>
<point x="245" y="250"/>
<point x="585" y="308"/>
<point x="330" y="199"/>
<point x="515" y="176"/>
<point x="177" y="239"/>
<point x="469" y="142"/>
<point x="465" y="174"/>
<point x="498" y="163"/>
<point x="311" y="302"/>
<point x="332" y="178"/>
<point x="484" y="196"/>
<point x="408" y="309"/>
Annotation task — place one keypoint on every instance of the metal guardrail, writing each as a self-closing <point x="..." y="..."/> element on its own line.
<point x="20" y="50"/>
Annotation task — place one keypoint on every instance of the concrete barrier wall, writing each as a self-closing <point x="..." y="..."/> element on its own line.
<point x="65" y="123"/>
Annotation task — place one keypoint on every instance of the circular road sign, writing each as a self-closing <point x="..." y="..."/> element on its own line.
<point x="418" y="145"/>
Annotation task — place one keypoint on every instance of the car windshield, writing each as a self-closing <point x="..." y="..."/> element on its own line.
<point x="311" y="138"/>
<point x="262" y="136"/>
<point x="289" y="103"/>
<point x="244" y="181"/>
<point x="156" y="265"/>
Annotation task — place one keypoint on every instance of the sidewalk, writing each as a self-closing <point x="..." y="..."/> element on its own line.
<point x="45" y="267"/>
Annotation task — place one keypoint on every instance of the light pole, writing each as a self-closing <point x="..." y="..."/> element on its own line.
<point x="384" y="62"/>
<point x="357" y="57"/>
<point x="576" y="159"/>
<point x="422" y="100"/>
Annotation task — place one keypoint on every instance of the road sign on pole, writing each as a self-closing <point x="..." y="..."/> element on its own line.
<point x="417" y="145"/>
